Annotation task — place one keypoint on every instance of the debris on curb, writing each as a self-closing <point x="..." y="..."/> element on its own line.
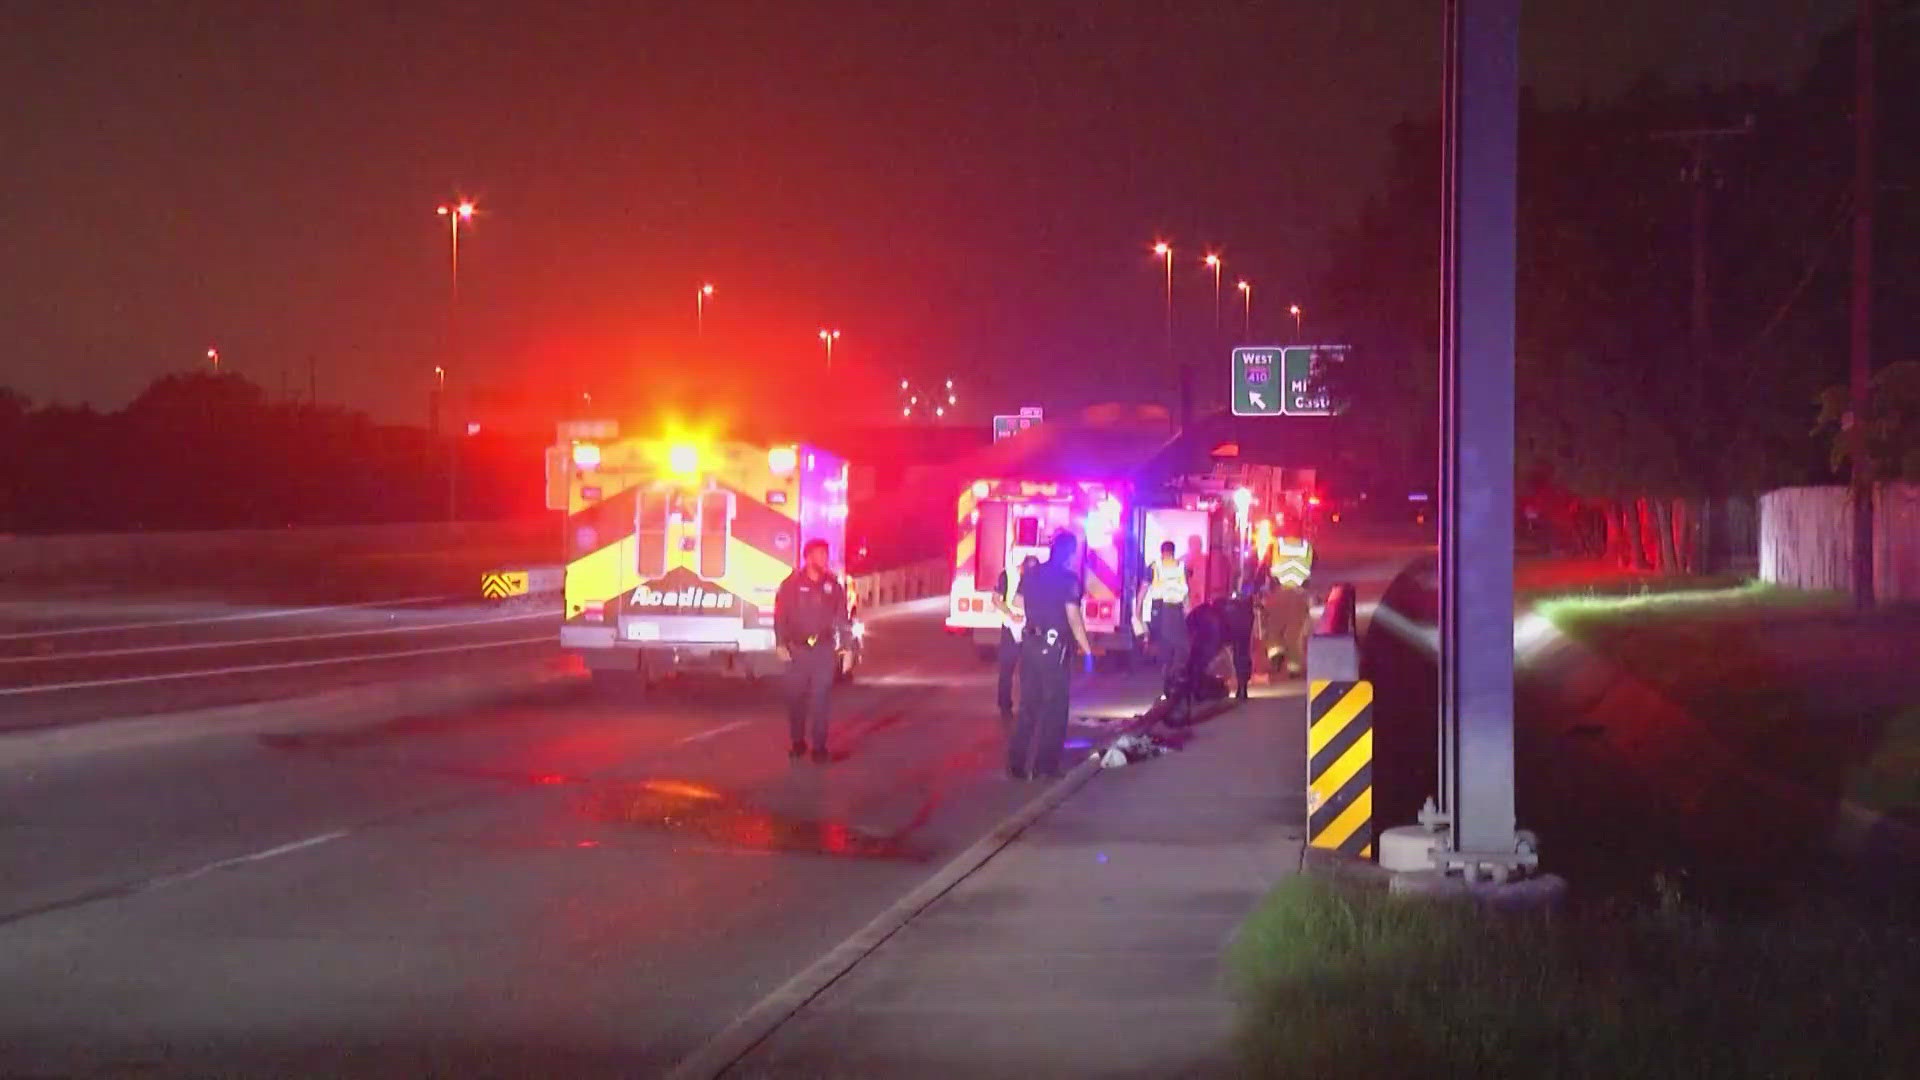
<point x="1131" y="748"/>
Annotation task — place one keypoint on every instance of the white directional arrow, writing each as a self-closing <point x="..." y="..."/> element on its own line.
<point x="1258" y="401"/>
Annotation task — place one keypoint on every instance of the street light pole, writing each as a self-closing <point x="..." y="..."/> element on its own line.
<point x="457" y="214"/>
<point x="700" y="298"/>
<point x="1214" y="261"/>
<point x="827" y="338"/>
<point x="1246" y="312"/>
<point x="1294" y="310"/>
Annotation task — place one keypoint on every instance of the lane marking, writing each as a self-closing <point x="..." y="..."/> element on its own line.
<point x="244" y="616"/>
<point x="191" y="646"/>
<point x="711" y="732"/>
<point x="175" y="676"/>
<point x="241" y="860"/>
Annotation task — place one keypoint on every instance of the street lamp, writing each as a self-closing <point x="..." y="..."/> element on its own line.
<point x="1294" y="310"/>
<point x="700" y="299"/>
<point x="214" y="356"/>
<point x="1165" y="251"/>
<point x="1246" y="311"/>
<point x="439" y="378"/>
<point x="827" y="338"/>
<point x="1214" y="261"/>
<point x="458" y="214"/>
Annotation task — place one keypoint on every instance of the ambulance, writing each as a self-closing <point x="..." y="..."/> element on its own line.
<point x="1220" y="525"/>
<point x="675" y="548"/>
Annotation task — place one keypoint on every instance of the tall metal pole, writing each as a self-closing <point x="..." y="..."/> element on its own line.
<point x="1859" y="403"/>
<point x="1477" y="373"/>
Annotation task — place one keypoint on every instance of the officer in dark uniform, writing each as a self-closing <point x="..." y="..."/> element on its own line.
<point x="1006" y="601"/>
<point x="1051" y="596"/>
<point x="1239" y="629"/>
<point x="810" y="622"/>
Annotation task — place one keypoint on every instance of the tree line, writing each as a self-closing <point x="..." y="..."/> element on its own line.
<point x="1638" y="428"/>
<point x="202" y="450"/>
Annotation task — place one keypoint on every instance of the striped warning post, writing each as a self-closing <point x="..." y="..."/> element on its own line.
<point x="500" y="584"/>
<point x="1340" y="766"/>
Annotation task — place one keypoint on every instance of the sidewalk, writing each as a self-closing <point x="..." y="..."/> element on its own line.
<point x="1092" y="944"/>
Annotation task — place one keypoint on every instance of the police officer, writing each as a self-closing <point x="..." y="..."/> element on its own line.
<point x="1006" y="601"/>
<point x="810" y="622"/>
<point x="1238" y="617"/>
<point x="1163" y="599"/>
<point x="1050" y="594"/>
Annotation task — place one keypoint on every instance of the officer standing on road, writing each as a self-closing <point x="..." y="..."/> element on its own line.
<point x="1163" y="599"/>
<point x="1050" y="594"/>
<point x="1006" y="601"/>
<point x="810" y="622"/>
<point x="1239" y="629"/>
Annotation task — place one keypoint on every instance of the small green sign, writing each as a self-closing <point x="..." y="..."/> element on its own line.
<point x="1257" y="385"/>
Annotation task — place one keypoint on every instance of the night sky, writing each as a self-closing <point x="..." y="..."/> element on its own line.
<point x="963" y="189"/>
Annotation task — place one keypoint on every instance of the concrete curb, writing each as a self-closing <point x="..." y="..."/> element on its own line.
<point x="738" y="1039"/>
<point x="344" y="707"/>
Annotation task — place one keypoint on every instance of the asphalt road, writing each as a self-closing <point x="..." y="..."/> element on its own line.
<point x="583" y="884"/>
<point x="75" y="661"/>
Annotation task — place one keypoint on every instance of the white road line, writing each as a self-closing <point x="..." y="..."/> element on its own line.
<point x="241" y="860"/>
<point x="191" y="646"/>
<point x="175" y="676"/>
<point x="711" y="732"/>
<point x="244" y="616"/>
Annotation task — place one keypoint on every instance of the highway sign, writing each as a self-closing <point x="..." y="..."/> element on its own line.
<point x="1305" y="368"/>
<point x="1288" y="381"/>
<point x="1006" y="427"/>
<point x="1256" y="382"/>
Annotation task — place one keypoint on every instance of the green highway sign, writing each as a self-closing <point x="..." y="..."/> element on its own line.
<point x="1284" y="381"/>
<point x="1257" y="382"/>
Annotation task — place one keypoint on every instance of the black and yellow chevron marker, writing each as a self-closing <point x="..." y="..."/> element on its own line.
<point x="500" y="584"/>
<point x="1340" y="766"/>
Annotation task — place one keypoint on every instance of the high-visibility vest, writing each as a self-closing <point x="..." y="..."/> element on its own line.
<point x="1169" y="583"/>
<point x="1292" y="561"/>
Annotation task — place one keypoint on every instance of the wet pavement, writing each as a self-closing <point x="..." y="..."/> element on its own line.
<point x="582" y="884"/>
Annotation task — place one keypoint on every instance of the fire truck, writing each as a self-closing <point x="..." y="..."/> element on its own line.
<point x="675" y="548"/>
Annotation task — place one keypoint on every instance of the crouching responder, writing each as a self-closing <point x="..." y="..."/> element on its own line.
<point x="1288" y="610"/>
<point x="1163" y="608"/>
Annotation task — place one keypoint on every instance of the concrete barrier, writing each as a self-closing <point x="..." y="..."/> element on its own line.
<point x="433" y="557"/>
<point x="917" y="581"/>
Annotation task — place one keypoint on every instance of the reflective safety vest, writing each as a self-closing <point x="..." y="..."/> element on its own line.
<point x="1169" y="583"/>
<point x="1292" y="561"/>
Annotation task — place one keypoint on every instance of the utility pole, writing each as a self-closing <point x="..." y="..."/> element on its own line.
<point x="1479" y="237"/>
<point x="313" y="382"/>
<point x="1858" y="400"/>
<point x="1700" y="318"/>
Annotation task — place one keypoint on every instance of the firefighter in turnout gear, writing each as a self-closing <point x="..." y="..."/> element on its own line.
<point x="1287" y="610"/>
<point x="1163" y="604"/>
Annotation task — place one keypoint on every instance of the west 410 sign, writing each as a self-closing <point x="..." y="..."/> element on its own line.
<point x="1289" y="381"/>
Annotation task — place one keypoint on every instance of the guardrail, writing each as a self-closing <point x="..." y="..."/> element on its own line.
<point x="898" y="586"/>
